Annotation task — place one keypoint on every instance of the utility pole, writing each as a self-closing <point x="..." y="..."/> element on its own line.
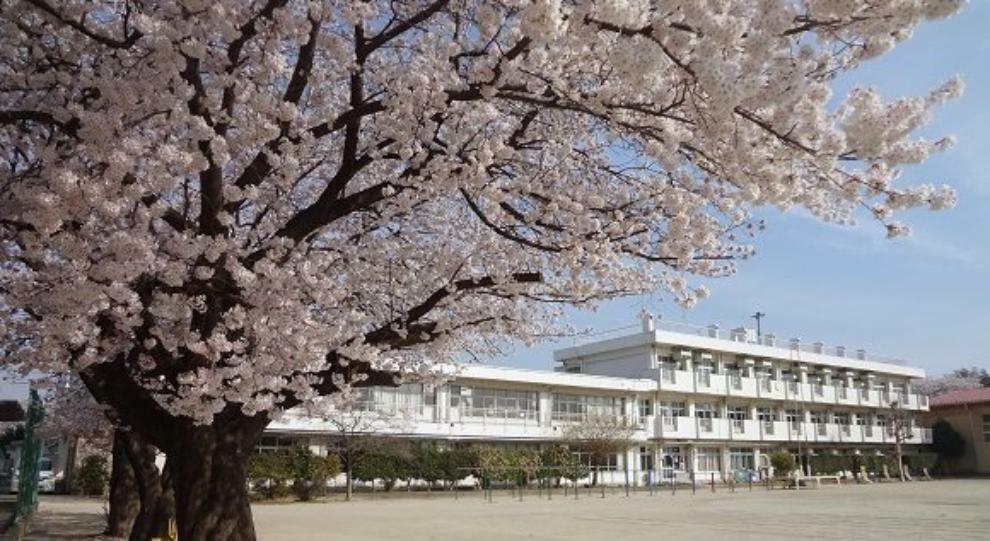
<point x="758" y="316"/>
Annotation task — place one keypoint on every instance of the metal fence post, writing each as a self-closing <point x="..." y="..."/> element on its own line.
<point x="27" y="483"/>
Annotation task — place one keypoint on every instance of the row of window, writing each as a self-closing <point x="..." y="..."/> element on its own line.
<point x="706" y="367"/>
<point x="742" y="413"/>
<point x="491" y="402"/>
<point x="516" y="404"/>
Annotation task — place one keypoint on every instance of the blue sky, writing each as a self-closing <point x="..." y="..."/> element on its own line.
<point x="924" y="298"/>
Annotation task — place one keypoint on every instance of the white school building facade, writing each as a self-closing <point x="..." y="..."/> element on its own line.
<point x="703" y="401"/>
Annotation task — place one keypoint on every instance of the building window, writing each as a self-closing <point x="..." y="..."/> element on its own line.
<point x="709" y="459"/>
<point x="569" y="407"/>
<point x="275" y="443"/>
<point x="766" y="414"/>
<point x="611" y="462"/>
<point x="645" y="459"/>
<point x="738" y="413"/>
<point x="706" y="411"/>
<point x="986" y="428"/>
<point x="673" y="459"/>
<point x="741" y="459"/>
<point x="500" y="403"/>
<point x="406" y="398"/>
<point x="645" y="407"/>
<point x="673" y="409"/>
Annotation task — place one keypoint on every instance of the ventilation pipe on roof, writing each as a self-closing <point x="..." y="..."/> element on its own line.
<point x="648" y="324"/>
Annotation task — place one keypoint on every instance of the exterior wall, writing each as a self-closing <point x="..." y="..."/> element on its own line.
<point x="627" y="363"/>
<point x="968" y="422"/>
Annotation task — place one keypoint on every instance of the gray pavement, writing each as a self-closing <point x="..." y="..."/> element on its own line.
<point x="948" y="509"/>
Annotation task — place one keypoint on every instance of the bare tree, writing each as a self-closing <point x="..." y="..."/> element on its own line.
<point x="900" y="427"/>
<point x="359" y="423"/>
<point x="600" y="436"/>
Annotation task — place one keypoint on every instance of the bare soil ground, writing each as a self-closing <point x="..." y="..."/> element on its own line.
<point x="946" y="509"/>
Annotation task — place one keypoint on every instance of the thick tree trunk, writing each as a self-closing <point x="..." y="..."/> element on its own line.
<point x="154" y="489"/>
<point x="125" y="502"/>
<point x="349" y="490"/>
<point x="208" y="466"/>
<point x="141" y="499"/>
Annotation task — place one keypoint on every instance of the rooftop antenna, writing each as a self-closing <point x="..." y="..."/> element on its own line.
<point x="758" y="316"/>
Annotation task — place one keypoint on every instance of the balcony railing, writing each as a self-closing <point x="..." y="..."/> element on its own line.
<point x="706" y="425"/>
<point x="738" y="426"/>
<point x="712" y="331"/>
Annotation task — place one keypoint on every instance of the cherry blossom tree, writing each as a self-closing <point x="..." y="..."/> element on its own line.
<point x="216" y="211"/>
<point x="946" y="383"/>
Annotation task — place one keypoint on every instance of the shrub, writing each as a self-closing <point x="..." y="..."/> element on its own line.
<point x="947" y="443"/>
<point x="269" y="472"/>
<point x="559" y="462"/>
<point x="310" y="471"/>
<point x="782" y="462"/>
<point x="93" y="475"/>
<point x="455" y="463"/>
<point x="387" y="466"/>
<point x="921" y="460"/>
<point x="427" y="464"/>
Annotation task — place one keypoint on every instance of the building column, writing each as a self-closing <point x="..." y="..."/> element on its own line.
<point x="546" y="407"/>
<point x="632" y="465"/>
<point x="725" y="463"/>
<point x="441" y="410"/>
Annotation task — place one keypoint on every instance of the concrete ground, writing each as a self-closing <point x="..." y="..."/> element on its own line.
<point x="950" y="510"/>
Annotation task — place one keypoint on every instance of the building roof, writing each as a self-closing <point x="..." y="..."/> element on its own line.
<point x="960" y="397"/>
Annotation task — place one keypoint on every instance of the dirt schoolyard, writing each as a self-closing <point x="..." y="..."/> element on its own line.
<point x="946" y="509"/>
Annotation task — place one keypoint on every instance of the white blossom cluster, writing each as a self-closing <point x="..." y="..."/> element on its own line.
<point x="229" y="203"/>
<point x="71" y="414"/>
